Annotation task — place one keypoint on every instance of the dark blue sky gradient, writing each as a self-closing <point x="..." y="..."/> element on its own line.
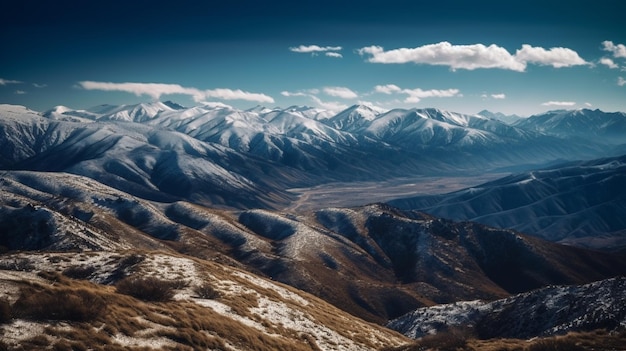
<point x="245" y="45"/>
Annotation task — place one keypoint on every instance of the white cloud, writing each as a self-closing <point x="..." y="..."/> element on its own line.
<point x="340" y="92"/>
<point x="387" y="89"/>
<point x="415" y="95"/>
<point x="608" y="62"/>
<point x="155" y="90"/>
<point x="37" y="85"/>
<point x="306" y="49"/>
<point x="20" y="92"/>
<point x="618" y="50"/>
<point x="292" y="94"/>
<point x="498" y="96"/>
<point x="334" y="54"/>
<point x="474" y="56"/>
<point x="555" y="57"/>
<point x="621" y="81"/>
<point x="558" y="103"/>
<point x="8" y="81"/>
<point x="588" y="104"/>
<point x="329" y="105"/>
<point x="468" y="57"/>
<point x="216" y="104"/>
<point x="228" y="94"/>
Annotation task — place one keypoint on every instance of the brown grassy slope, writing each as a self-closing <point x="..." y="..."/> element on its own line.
<point x="248" y="313"/>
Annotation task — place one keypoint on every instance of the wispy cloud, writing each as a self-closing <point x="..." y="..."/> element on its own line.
<point x="588" y="104"/>
<point x="608" y="62"/>
<point x="9" y="81"/>
<point x="621" y="81"/>
<point x="387" y="89"/>
<point x="37" y="85"/>
<point x="498" y="96"/>
<point x="340" y="92"/>
<point x="216" y="104"/>
<point x="329" y="105"/>
<point x="474" y="56"/>
<point x="618" y="50"/>
<point x="156" y="90"/>
<point x="330" y="51"/>
<point x="334" y="54"/>
<point x="292" y="94"/>
<point x="559" y="103"/>
<point x="20" y="92"/>
<point x="415" y="95"/>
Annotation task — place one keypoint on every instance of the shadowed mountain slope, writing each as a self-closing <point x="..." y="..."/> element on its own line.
<point x="578" y="203"/>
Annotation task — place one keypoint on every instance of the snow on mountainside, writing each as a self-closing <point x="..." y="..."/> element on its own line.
<point x="548" y="311"/>
<point x="508" y="119"/>
<point x="354" y="118"/>
<point x="423" y="127"/>
<point x="434" y="127"/>
<point x="145" y="161"/>
<point x="145" y="148"/>
<point x="595" y="125"/>
<point x="578" y="203"/>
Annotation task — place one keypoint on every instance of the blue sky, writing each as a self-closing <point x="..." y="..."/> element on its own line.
<point x="464" y="56"/>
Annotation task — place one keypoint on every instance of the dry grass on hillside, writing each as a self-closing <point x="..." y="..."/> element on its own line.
<point x="213" y="307"/>
<point x="179" y="325"/>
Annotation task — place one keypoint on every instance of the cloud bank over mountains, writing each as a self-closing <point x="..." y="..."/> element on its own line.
<point x="415" y="95"/>
<point x="559" y="103"/>
<point x="475" y="56"/>
<point x="456" y="57"/>
<point x="156" y="90"/>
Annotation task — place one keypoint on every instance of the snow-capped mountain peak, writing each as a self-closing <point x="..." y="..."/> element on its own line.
<point x="354" y="118"/>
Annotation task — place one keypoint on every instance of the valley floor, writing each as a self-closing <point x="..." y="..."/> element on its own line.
<point x="350" y="194"/>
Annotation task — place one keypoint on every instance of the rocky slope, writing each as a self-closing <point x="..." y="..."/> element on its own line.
<point x="554" y="310"/>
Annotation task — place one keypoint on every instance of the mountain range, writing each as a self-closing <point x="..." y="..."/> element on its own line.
<point x="509" y="119"/>
<point x="93" y="190"/>
<point x="583" y="123"/>
<point x="218" y="155"/>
